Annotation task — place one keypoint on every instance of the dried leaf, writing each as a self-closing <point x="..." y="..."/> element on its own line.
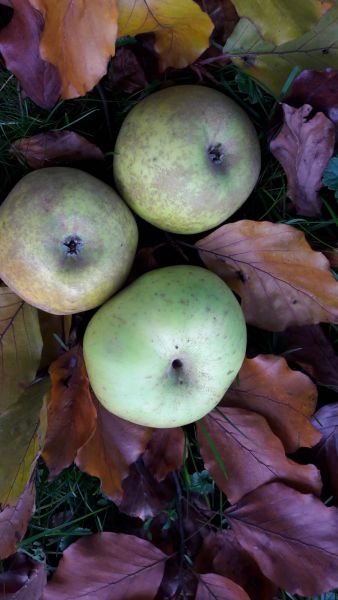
<point x="78" y="38"/>
<point x="104" y="565"/>
<point x="52" y="326"/>
<point x="165" y="452"/>
<point x="223" y="15"/>
<point x="294" y="19"/>
<point x="272" y="64"/>
<point x="126" y="71"/>
<point x="217" y="587"/>
<point x="221" y="553"/>
<point x="182" y="29"/>
<point x="20" y="346"/>
<point x="330" y="178"/>
<point x="303" y="147"/>
<point x="291" y="536"/>
<point x="19" y="45"/>
<point x="286" y="398"/>
<point x="281" y="280"/>
<point x="310" y="348"/>
<point x="318" y="88"/>
<point x="114" y="446"/>
<point x="14" y="521"/>
<point x="326" y="421"/>
<point x="54" y="148"/>
<point x="70" y="403"/>
<point x="23" y="578"/>
<point x="143" y="496"/>
<point x="19" y="442"/>
<point x="241" y="453"/>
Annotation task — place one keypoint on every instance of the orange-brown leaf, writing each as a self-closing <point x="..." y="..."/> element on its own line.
<point x="108" y="565"/>
<point x="303" y="147"/>
<point x="78" y="38"/>
<point x="281" y="280"/>
<point x="114" y="446"/>
<point x="165" y="452"/>
<point x="248" y="454"/>
<point x="14" y="520"/>
<point x="71" y="413"/>
<point x="286" y="398"/>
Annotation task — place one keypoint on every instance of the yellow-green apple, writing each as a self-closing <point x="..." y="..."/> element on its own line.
<point x="163" y="351"/>
<point x="186" y="158"/>
<point x="67" y="240"/>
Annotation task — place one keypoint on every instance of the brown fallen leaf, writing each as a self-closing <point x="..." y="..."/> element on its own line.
<point x="78" y="38"/>
<point x="19" y="45"/>
<point x="108" y="565"/>
<point x="286" y="398"/>
<point x="303" y="147"/>
<point x="14" y="520"/>
<point x="326" y="452"/>
<point x="318" y="88"/>
<point x="113" y="447"/>
<point x="23" y="578"/>
<point x="223" y="15"/>
<point x="144" y="496"/>
<point x="217" y="587"/>
<point x="54" y="148"/>
<point x="221" y="553"/>
<point x="71" y="414"/>
<point x="310" y="348"/>
<point x="241" y="453"/>
<point x="126" y="73"/>
<point x="165" y="452"/>
<point x="277" y="525"/>
<point x="281" y="280"/>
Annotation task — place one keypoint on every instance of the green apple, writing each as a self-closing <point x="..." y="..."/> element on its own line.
<point x="67" y="240"/>
<point x="186" y="158"/>
<point x="163" y="351"/>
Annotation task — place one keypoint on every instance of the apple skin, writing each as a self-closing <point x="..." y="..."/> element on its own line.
<point x="50" y="208"/>
<point x="163" y="351"/>
<point x="186" y="158"/>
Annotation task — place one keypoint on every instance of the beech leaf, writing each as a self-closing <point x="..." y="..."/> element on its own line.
<point x="113" y="447"/>
<point x="277" y="525"/>
<point x="303" y="147"/>
<point x="20" y="346"/>
<point x="14" y="520"/>
<point x="23" y="578"/>
<point x="251" y="453"/>
<point x="318" y="88"/>
<point x="19" y="442"/>
<point x="281" y="280"/>
<point x="54" y="148"/>
<point x="19" y="45"/>
<point x="326" y="421"/>
<point x="223" y="15"/>
<point x="310" y="348"/>
<point x="113" y="565"/>
<point x="217" y="587"/>
<point x="272" y="64"/>
<point x="70" y="403"/>
<point x="165" y="452"/>
<point x="286" y="398"/>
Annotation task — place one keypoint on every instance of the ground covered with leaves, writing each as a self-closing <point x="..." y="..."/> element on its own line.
<point x="242" y="504"/>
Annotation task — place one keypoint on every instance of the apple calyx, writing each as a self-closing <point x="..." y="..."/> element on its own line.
<point x="73" y="245"/>
<point x="216" y="153"/>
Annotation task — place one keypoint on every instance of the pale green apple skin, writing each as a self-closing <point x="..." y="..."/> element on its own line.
<point x="48" y="208"/>
<point x="161" y="163"/>
<point x="181" y="313"/>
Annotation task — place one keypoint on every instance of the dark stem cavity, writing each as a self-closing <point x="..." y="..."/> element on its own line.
<point x="216" y="153"/>
<point x="177" y="363"/>
<point x="73" y="243"/>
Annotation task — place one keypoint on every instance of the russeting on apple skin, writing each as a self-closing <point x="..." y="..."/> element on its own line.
<point x="186" y="158"/>
<point x="163" y="351"/>
<point x="67" y="240"/>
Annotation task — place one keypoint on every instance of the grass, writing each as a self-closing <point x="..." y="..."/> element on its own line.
<point x="72" y="505"/>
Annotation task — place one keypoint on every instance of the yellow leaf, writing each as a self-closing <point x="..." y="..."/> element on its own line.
<point x="181" y="28"/>
<point x="78" y="38"/>
<point x="19" y="442"/>
<point x="280" y="21"/>
<point x="20" y="346"/>
<point x="272" y="64"/>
